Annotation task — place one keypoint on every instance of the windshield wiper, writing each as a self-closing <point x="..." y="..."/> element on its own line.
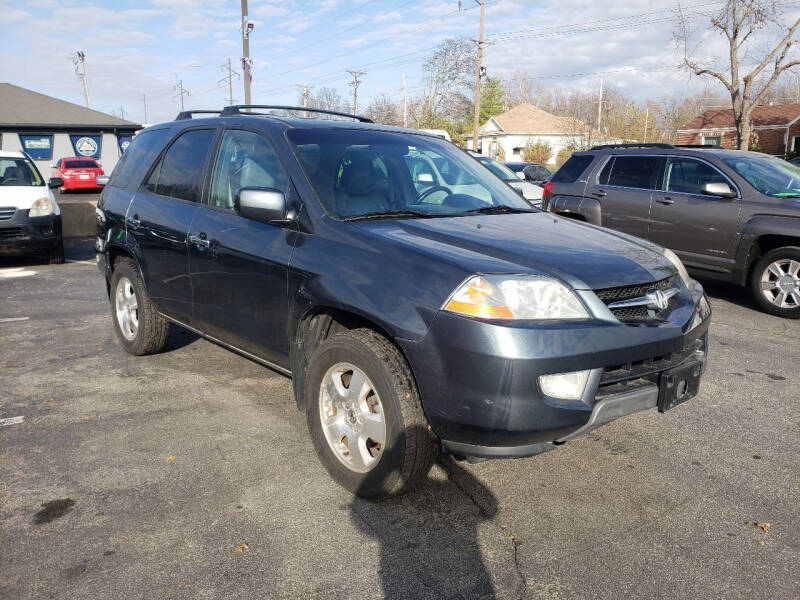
<point x="390" y="214"/>
<point x="495" y="210"/>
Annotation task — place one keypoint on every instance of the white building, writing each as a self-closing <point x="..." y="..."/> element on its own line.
<point x="48" y="129"/>
<point x="513" y="129"/>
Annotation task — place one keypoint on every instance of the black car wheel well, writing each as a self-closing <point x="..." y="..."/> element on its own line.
<point x="316" y="326"/>
<point x="764" y="244"/>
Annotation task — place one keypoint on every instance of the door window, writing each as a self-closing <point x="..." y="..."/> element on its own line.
<point x="180" y="174"/>
<point x="630" y="171"/>
<point x="245" y="159"/>
<point x="688" y="176"/>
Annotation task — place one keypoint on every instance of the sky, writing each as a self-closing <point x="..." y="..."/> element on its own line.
<point x="137" y="51"/>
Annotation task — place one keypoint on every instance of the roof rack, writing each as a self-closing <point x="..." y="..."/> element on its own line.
<point x="238" y="109"/>
<point x="698" y="146"/>
<point x="187" y="114"/>
<point x="640" y="145"/>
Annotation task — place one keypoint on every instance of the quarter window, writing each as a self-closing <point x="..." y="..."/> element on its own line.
<point x="245" y="160"/>
<point x="630" y="171"/>
<point x="688" y="176"/>
<point x="180" y="174"/>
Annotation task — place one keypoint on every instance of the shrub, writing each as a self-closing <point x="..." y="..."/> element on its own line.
<point x="539" y="152"/>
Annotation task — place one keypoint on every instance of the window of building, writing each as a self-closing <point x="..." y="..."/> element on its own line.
<point x="795" y="144"/>
<point x="712" y="140"/>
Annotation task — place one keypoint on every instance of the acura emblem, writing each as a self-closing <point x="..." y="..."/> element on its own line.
<point x="656" y="300"/>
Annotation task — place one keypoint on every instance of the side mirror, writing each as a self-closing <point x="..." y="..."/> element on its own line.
<point x="722" y="190"/>
<point x="102" y="180"/>
<point x="521" y="175"/>
<point x="55" y="182"/>
<point x="266" y="205"/>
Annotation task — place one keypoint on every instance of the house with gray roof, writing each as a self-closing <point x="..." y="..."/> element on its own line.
<point x="49" y="129"/>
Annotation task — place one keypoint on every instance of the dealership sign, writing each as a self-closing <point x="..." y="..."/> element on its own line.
<point x="86" y="145"/>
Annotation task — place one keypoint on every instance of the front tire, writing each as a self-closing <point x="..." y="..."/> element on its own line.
<point x="365" y="417"/>
<point x="55" y="255"/>
<point x="775" y="282"/>
<point x="139" y="327"/>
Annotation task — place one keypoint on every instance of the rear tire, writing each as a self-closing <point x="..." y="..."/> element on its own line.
<point x="775" y="282"/>
<point x="139" y="327"/>
<point x="386" y="394"/>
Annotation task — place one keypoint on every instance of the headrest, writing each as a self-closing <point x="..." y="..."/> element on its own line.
<point x="357" y="176"/>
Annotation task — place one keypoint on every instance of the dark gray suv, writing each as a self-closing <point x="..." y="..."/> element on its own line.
<point x="728" y="214"/>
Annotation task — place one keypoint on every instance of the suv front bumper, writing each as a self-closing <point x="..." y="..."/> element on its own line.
<point x="479" y="386"/>
<point x="22" y="234"/>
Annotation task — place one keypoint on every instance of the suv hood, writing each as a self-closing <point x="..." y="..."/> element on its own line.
<point x="23" y="196"/>
<point x="583" y="255"/>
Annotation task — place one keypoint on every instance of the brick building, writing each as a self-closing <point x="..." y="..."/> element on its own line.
<point x="777" y="127"/>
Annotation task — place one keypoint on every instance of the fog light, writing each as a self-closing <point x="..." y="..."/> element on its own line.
<point x="567" y="386"/>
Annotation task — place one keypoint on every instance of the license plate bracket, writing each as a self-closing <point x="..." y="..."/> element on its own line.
<point x="678" y="385"/>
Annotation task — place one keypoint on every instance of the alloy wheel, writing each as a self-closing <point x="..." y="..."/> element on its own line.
<point x="780" y="283"/>
<point x="352" y="417"/>
<point x="127" y="308"/>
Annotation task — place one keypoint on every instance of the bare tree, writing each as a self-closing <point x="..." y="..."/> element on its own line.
<point x="448" y="71"/>
<point x="328" y="98"/>
<point x="384" y="109"/>
<point x="738" y="20"/>
<point x="520" y="88"/>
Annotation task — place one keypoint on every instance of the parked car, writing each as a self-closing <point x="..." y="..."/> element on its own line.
<point x="78" y="173"/>
<point x="532" y="193"/>
<point x="795" y="161"/>
<point x="530" y="171"/>
<point x="728" y="214"/>
<point x="30" y="218"/>
<point x="438" y="133"/>
<point x="410" y="320"/>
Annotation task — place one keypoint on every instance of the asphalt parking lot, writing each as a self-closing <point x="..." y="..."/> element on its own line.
<point x="145" y="477"/>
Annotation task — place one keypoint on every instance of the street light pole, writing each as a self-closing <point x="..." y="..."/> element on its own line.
<point x="245" y="52"/>
<point x="476" y="120"/>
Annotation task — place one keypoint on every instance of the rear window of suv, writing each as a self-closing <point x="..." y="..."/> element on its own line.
<point x="572" y="169"/>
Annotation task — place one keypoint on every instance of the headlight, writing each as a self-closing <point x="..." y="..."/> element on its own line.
<point x="702" y="313"/>
<point x="41" y="208"/>
<point x="518" y="297"/>
<point x="673" y="258"/>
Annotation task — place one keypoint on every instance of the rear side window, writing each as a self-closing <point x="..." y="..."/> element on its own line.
<point x="630" y="171"/>
<point x="572" y="169"/>
<point x="138" y="158"/>
<point x="180" y="174"/>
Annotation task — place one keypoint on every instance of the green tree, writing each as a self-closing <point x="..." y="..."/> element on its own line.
<point x="539" y="152"/>
<point x="493" y="98"/>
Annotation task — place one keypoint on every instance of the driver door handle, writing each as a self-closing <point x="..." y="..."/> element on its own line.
<point x="665" y="200"/>
<point x="200" y="240"/>
<point x="599" y="193"/>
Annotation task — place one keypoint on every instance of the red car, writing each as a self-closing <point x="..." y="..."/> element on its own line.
<point x="78" y="173"/>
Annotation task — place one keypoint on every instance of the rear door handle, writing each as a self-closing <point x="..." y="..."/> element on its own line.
<point x="599" y="193"/>
<point x="200" y="240"/>
<point x="665" y="200"/>
<point x="134" y="220"/>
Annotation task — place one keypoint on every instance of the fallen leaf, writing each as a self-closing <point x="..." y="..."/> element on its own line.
<point x="50" y="400"/>
<point x="760" y="542"/>
<point x="764" y="526"/>
<point x="240" y="548"/>
<point x="171" y="457"/>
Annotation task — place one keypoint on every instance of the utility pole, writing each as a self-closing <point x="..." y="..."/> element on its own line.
<point x="355" y="83"/>
<point x="305" y="95"/>
<point x="144" y="100"/>
<point x="121" y="112"/>
<point x="600" y="104"/>
<point x="79" y="60"/>
<point x="646" y="122"/>
<point x="405" y="103"/>
<point x="229" y="79"/>
<point x="478" y="70"/>
<point x="181" y="91"/>
<point x="246" y="27"/>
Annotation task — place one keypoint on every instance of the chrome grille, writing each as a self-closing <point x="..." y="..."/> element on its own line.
<point x="641" y="312"/>
<point x="6" y="214"/>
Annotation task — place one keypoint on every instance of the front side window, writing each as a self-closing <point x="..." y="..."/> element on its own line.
<point x="245" y="159"/>
<point x="688" y="176"/>
<point x="357" y="173"/>
<point x="769" y="175"/>
<point x="180" y="174"/>
<point x="630" y="171"/>
<point x="19" y="172"/>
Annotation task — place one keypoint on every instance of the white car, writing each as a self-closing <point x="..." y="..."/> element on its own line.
<point x="30" y="219"/>
<point x="531" y="192"/>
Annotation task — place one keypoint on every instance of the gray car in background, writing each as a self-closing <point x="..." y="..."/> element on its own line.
<point x="729" y="215"/>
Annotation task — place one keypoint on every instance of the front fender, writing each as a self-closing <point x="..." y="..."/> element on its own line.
<point x="755" y="228"/>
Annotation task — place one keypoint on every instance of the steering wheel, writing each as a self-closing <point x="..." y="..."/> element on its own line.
<point x="429" y="191"/>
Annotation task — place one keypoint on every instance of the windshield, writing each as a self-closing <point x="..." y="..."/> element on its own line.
<point x="499" y="169"/>
<point x="769" y="175"/>
<point x="19" y="172"/>
<point x="375" y="174"/>
<point x="80" y="164"/>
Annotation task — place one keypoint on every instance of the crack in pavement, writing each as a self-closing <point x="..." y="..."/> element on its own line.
<point x="489" y="515"/>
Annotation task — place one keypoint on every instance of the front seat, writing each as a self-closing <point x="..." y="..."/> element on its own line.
<point x="357" y="193"/>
